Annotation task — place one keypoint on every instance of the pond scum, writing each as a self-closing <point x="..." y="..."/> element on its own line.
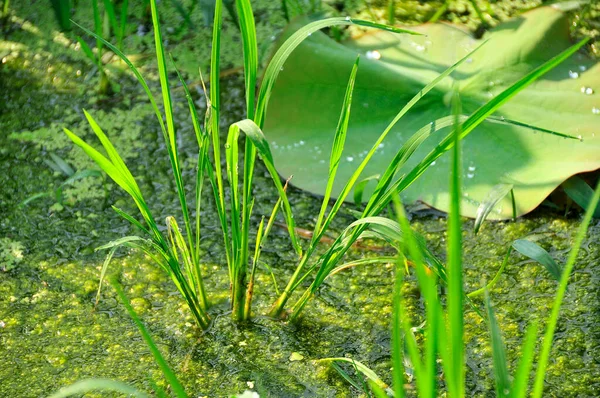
<point x="445" y="313"/>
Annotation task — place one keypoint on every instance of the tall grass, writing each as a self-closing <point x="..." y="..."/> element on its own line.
<point x="389" y="186"/>
<point x="177" y="251"/>
<point x="443" y="336"/>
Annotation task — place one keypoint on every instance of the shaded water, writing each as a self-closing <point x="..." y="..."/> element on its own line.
<point x="50" y="334"/>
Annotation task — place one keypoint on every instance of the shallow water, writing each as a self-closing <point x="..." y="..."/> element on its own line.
<point x="50" y="334"/>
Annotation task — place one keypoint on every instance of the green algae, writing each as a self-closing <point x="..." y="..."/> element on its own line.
<point x="51" y="335"/>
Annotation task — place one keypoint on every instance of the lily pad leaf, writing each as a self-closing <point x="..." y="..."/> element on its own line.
<point x="308" y="94"/>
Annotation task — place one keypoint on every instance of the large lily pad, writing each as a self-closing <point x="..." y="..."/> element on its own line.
<point x="307" y="99"/>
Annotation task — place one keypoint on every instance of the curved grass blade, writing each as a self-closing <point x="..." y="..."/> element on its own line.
<point x="562" y="288"/>
<point x="158" y="358"/>
<point x="135" y="71"/>
<point x="359" y="188"/>
<point x="455" y="368"/>
<point x="113" y="246"/>
<point x="254" y="133"/>
<point x="338" y="146"/>
<point x="361" y="368"/>
<point x="498" y="353"/>
<point x="519" y="386"/>
<point x="294" y="41"/>
<point x="97" y="384"/>
<point x="537" y="253"/>
<point x="497" y="193"/>
<point x="478" y="117"/>
<point x="491" y="284"/>
<point x="362" y="261"/>
<point x="34" y="197"/>
<point x="581" y="193"/>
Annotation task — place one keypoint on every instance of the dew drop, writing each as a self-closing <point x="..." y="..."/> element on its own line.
<point x="596" y="111"/>
<point x="227" y="146"/>
<point x="381" y="145"/>
<point x="4" y="60"/>
<point x="433" y="163"/>
<point x="348" y="19"/>
<point x="580" y="138"/>
<point x="469" y="60"/>
<point x="309" y="34"/>
<point x="420" y="48"/>
<point x="373" y="55"/>
<point x="301" y="142"/>
<point x="470" y="175"/>
<point x="349" y="158"/>
<point x="78" y="73"/>
<point x="471" y="168"/>
<point x="582" y="68"/>
<point x="587" y="90"/>
<point x="573" y="75"/>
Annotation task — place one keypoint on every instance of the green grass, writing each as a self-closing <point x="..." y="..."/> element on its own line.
<point x="443" y="338"/>
<point x="177" y="250"/>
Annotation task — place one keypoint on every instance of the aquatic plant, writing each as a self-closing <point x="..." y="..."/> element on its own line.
<point x="443" y="330"/>
<point x="178" y="253"/>
<point x="387" y="185"/>
<point x="59" y="165"/>
<point x="102" y="28"/>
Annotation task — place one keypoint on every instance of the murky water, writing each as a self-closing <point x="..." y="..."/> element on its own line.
<point x="50" y="334"/>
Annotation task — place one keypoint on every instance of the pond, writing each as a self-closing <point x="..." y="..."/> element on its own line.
<point x="52" y="333"/>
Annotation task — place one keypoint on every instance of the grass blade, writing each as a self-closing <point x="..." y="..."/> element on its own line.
<point x="581" y="193"/>
<point x="562" y="288"/>
<point x="498" y="353"/>
<point x="455" y="370"/>
<point x="519" y="386"/>
<point x="496" y="194"/>
<point x="337" y="147"/>
<point x="537" y="253"/>
<point x="158" y="358"/>
<point x="87" y="385"/>
<point x="61" y="165"/>
<point x="361" y="368"/>
<point x="254" y="133"/>
<point x="276" y="64"/>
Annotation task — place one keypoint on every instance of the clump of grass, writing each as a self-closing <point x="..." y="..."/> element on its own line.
<point x="102" y="29"/>
<point x="388" y="185"/>
<point x="177" y="251"/>
<point x="443" y="337"/>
